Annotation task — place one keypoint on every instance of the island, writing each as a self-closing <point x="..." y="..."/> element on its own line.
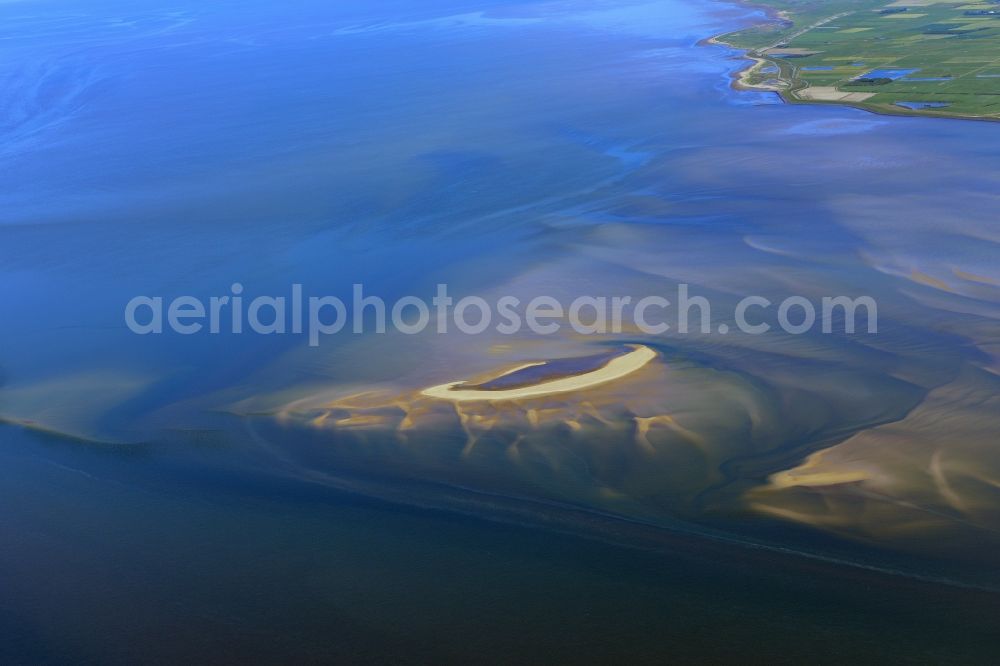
<point x="531" y="385"/>
<point x="922" y="57"/>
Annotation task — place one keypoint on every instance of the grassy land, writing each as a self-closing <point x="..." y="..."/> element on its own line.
<point x="855" y="52"/>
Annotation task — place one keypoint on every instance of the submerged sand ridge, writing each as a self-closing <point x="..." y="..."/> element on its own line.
<point x="819" y="430"/>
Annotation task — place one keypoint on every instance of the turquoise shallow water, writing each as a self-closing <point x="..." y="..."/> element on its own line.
<point x="170" y="148"/>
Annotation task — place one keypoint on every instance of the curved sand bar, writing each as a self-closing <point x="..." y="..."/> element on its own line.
<point x="616" y="368"/>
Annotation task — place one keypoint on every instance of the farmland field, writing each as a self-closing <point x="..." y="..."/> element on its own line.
<point x="927" y="57"/>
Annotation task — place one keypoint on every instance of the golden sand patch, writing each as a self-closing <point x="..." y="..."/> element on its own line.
<point x="616" y="368"/>
<point x="929" y="280"/>
<point x="972" y="277"/>
<point x="930" y="473"/>
<point x="813" y="474"/>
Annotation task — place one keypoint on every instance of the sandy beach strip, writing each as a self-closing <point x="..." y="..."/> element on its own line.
<point x="616" y="368"/>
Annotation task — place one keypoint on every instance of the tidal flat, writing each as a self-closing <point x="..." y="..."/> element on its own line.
<point x="774" y="497"/>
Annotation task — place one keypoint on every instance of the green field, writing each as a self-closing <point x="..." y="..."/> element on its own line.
<point x="858" y="52"/>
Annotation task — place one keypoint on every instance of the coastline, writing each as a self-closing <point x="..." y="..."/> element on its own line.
<point x="790" y="86"/>
<point x="740" y="78"/>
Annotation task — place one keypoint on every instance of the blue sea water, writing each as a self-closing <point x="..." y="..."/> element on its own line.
<point x="174" y="148"/>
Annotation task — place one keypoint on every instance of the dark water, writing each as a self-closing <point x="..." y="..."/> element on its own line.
<point x="155" y="506"/>
<point x="120" y="556"/>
